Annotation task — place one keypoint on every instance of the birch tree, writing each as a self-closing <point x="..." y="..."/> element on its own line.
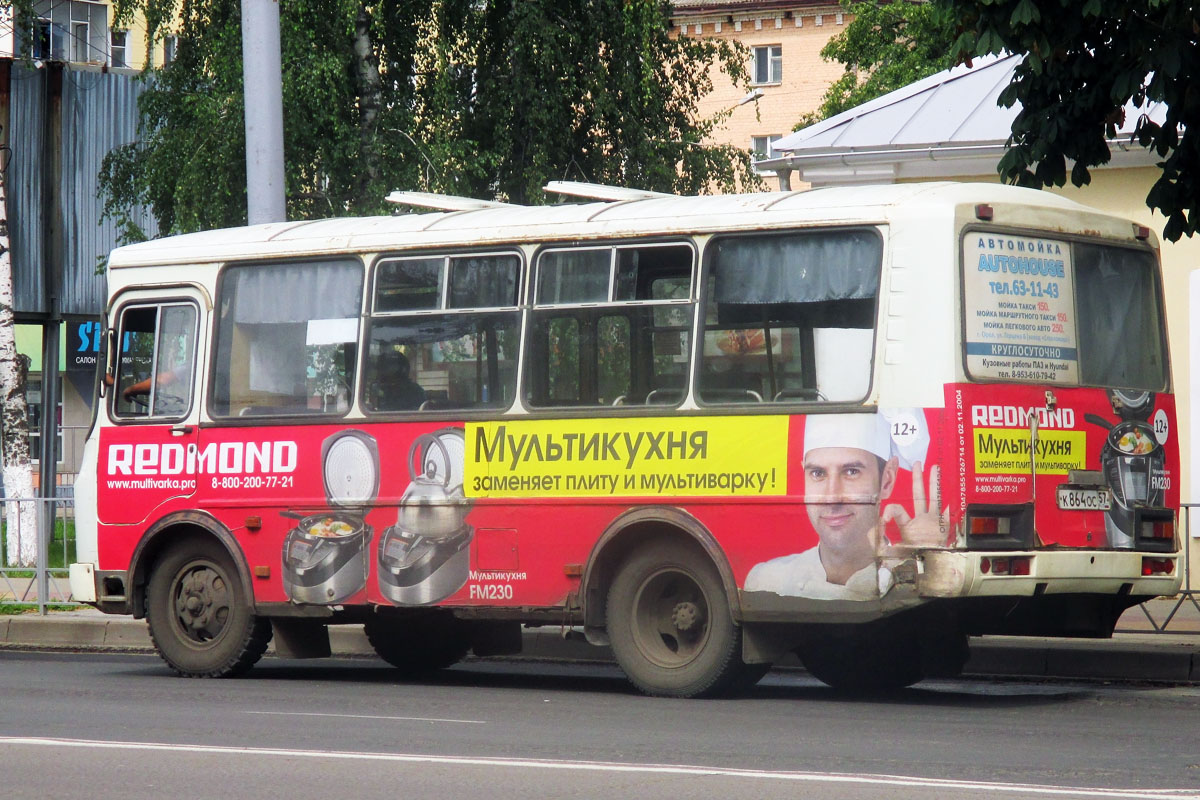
<point x="21" y="512"/>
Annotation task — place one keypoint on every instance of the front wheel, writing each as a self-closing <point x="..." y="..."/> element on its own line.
<point x="199" y="613"/>
<point x="670" y="626"/>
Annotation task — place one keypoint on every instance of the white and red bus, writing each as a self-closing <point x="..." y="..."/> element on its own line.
<point x="858" y="424"/>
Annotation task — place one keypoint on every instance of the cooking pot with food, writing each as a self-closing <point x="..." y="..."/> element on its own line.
<point x="425" y="556"/>
<point x="325" y="556"/>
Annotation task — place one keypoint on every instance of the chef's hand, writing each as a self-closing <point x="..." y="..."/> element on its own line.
<point x="927" y="527"/>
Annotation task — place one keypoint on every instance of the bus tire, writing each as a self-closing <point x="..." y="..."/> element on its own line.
<point x="420" y="644"/>
<point x="199" y="613"/>
<point x="864" y="663"/>
<point x="670" y="626"/>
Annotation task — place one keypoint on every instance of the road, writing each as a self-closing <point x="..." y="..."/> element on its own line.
<point x="96" y="725"/>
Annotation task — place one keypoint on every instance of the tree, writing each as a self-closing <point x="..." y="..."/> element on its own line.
<point x="21" y="510"/>
<point x="1084" y="61"/>
<point x="884" y="47"/>
<point x="485" y="99"/>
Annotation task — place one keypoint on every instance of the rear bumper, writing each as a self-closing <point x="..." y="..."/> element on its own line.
<point x="950" y="574"/>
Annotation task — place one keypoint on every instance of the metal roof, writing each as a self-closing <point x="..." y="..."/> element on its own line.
<point x="570" y="222"/>
<point x="951" y="117"/>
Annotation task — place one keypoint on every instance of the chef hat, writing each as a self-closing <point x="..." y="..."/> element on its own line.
<point x="861" y="431"/>
<point x="900" y="433"/>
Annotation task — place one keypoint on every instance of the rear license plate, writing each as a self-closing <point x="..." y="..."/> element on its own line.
<point x="1071" y="499"/>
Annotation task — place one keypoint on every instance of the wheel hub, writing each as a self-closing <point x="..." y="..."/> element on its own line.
<point x="202" y="603"/>
<point x="685" y="616"/>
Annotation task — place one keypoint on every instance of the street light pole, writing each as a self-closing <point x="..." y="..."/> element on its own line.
<point x="263" y="92"/>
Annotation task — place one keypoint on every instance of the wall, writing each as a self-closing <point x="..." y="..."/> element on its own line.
<point x="801" y="31"/>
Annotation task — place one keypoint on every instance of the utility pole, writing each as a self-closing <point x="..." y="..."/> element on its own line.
<point x="263" y="88"/>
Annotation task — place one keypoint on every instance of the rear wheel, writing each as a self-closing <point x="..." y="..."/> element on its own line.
<point x="421" y="643"/>
<point x="199" y="613"/>
<point x="670" y="626"/>
<point x="859" y="665"/>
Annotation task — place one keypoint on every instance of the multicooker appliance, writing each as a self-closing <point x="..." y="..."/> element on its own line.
<point x="1131" y="456"/>
<point x="425" y="556"/>
<point x="325" y="557"/>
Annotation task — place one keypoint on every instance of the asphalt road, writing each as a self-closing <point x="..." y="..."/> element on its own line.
<point x="88" y="726"/>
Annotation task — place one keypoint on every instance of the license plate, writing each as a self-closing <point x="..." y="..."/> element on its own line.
<point x="1070" y="499"/>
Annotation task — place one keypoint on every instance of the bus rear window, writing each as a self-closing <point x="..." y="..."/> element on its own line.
<point x="1050" y="311"/>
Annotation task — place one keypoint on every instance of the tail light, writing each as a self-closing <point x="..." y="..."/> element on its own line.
<point x="1016" y="565"/>
<point x="1000" y="527"/>
<point x="1158" y="566"/>
<point x="1155" y="529"/>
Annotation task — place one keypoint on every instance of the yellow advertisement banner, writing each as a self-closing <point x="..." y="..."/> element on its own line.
<point x="627" y="457"/>
<point x="1001" y="451"/>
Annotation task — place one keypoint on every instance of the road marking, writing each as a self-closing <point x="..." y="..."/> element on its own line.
<point x="1027" y="789"/>
<point x="366" y="716"/>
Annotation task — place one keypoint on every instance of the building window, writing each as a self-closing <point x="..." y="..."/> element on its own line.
<point x="79" y="41"/>
<point x="768" y="64"/>
<point x="763" y="147"/>
<point x="41" y="40"/>
<point x="118" y="47"/>
<point x="169" y="45"/>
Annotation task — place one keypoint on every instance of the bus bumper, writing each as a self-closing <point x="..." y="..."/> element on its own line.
<point x="949" y="573"/>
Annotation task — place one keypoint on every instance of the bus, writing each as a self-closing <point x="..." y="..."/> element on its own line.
<point x="859" y="425"/>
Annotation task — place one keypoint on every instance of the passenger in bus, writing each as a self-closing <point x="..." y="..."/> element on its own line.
<point x="850" y="467"/>
<point x="393" y="389"/>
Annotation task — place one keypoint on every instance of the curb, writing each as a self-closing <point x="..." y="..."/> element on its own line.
<point x="1158" y="658"/>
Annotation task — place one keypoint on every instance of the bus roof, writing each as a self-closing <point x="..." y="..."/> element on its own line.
<point x="570" y="222"/>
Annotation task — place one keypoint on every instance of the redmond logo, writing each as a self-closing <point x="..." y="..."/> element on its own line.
<point x="224" y="458"/>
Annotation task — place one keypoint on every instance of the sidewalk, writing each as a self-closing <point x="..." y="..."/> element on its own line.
<point x="1135" y="653"/>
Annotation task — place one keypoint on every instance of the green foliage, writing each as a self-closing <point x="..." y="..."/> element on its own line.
<point x="484" y="99"/>
<point x="885" y="46"/>
<point x="1084" y="61"/>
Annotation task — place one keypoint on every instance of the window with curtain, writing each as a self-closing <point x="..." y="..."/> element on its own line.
<point x="790" y="317"/>
<point x="287" y="338"/>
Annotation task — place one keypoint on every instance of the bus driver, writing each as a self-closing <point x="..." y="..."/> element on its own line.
<point x="850" y="467"/>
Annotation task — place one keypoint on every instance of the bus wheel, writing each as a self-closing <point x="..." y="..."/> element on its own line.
<point x="670" y="626"/>
<point x="419" y="644"/>
<point x="864" y="664"/>
<point x="199" y="613"/>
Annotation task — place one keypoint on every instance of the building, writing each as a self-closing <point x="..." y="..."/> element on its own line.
<point x="81" y="32"/>
<point x="788" y="75"/>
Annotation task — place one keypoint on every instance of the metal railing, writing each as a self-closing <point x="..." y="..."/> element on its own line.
<point x="45" y="584"/>
<point x="1186" y="593"/>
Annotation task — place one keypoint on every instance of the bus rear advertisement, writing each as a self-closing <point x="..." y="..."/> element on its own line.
<point x="857" y="425"/>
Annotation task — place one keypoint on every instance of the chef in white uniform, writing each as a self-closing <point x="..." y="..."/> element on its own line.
<point x="851" y="463"/>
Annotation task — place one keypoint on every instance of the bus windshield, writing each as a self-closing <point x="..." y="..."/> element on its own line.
<point x="1067" y="313"/>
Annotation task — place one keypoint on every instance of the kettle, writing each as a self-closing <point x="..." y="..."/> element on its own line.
<point x="433" y="505"/>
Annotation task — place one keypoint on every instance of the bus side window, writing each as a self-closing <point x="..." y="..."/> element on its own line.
<point x="287" y="338"/>
<point x="790" y="318"/>
<point x="443" y="333"/>
<point x="611" y="326"/>
<point x="156" y="366"/>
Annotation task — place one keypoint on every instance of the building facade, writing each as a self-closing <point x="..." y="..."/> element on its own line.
<point x="82" y="32"/>
<point x="788" y="75"/>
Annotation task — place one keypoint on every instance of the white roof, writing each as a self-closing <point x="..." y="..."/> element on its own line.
<point x="947" y="124"/>
<point x="570" y="222"/>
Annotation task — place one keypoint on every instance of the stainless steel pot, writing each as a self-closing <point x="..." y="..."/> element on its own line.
<point x="425" y="556"/>
<point x="325" y="557"/>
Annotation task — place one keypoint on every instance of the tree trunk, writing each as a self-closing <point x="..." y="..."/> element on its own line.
<point x="370" y="94"/>
<point x="20" y="509"/>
